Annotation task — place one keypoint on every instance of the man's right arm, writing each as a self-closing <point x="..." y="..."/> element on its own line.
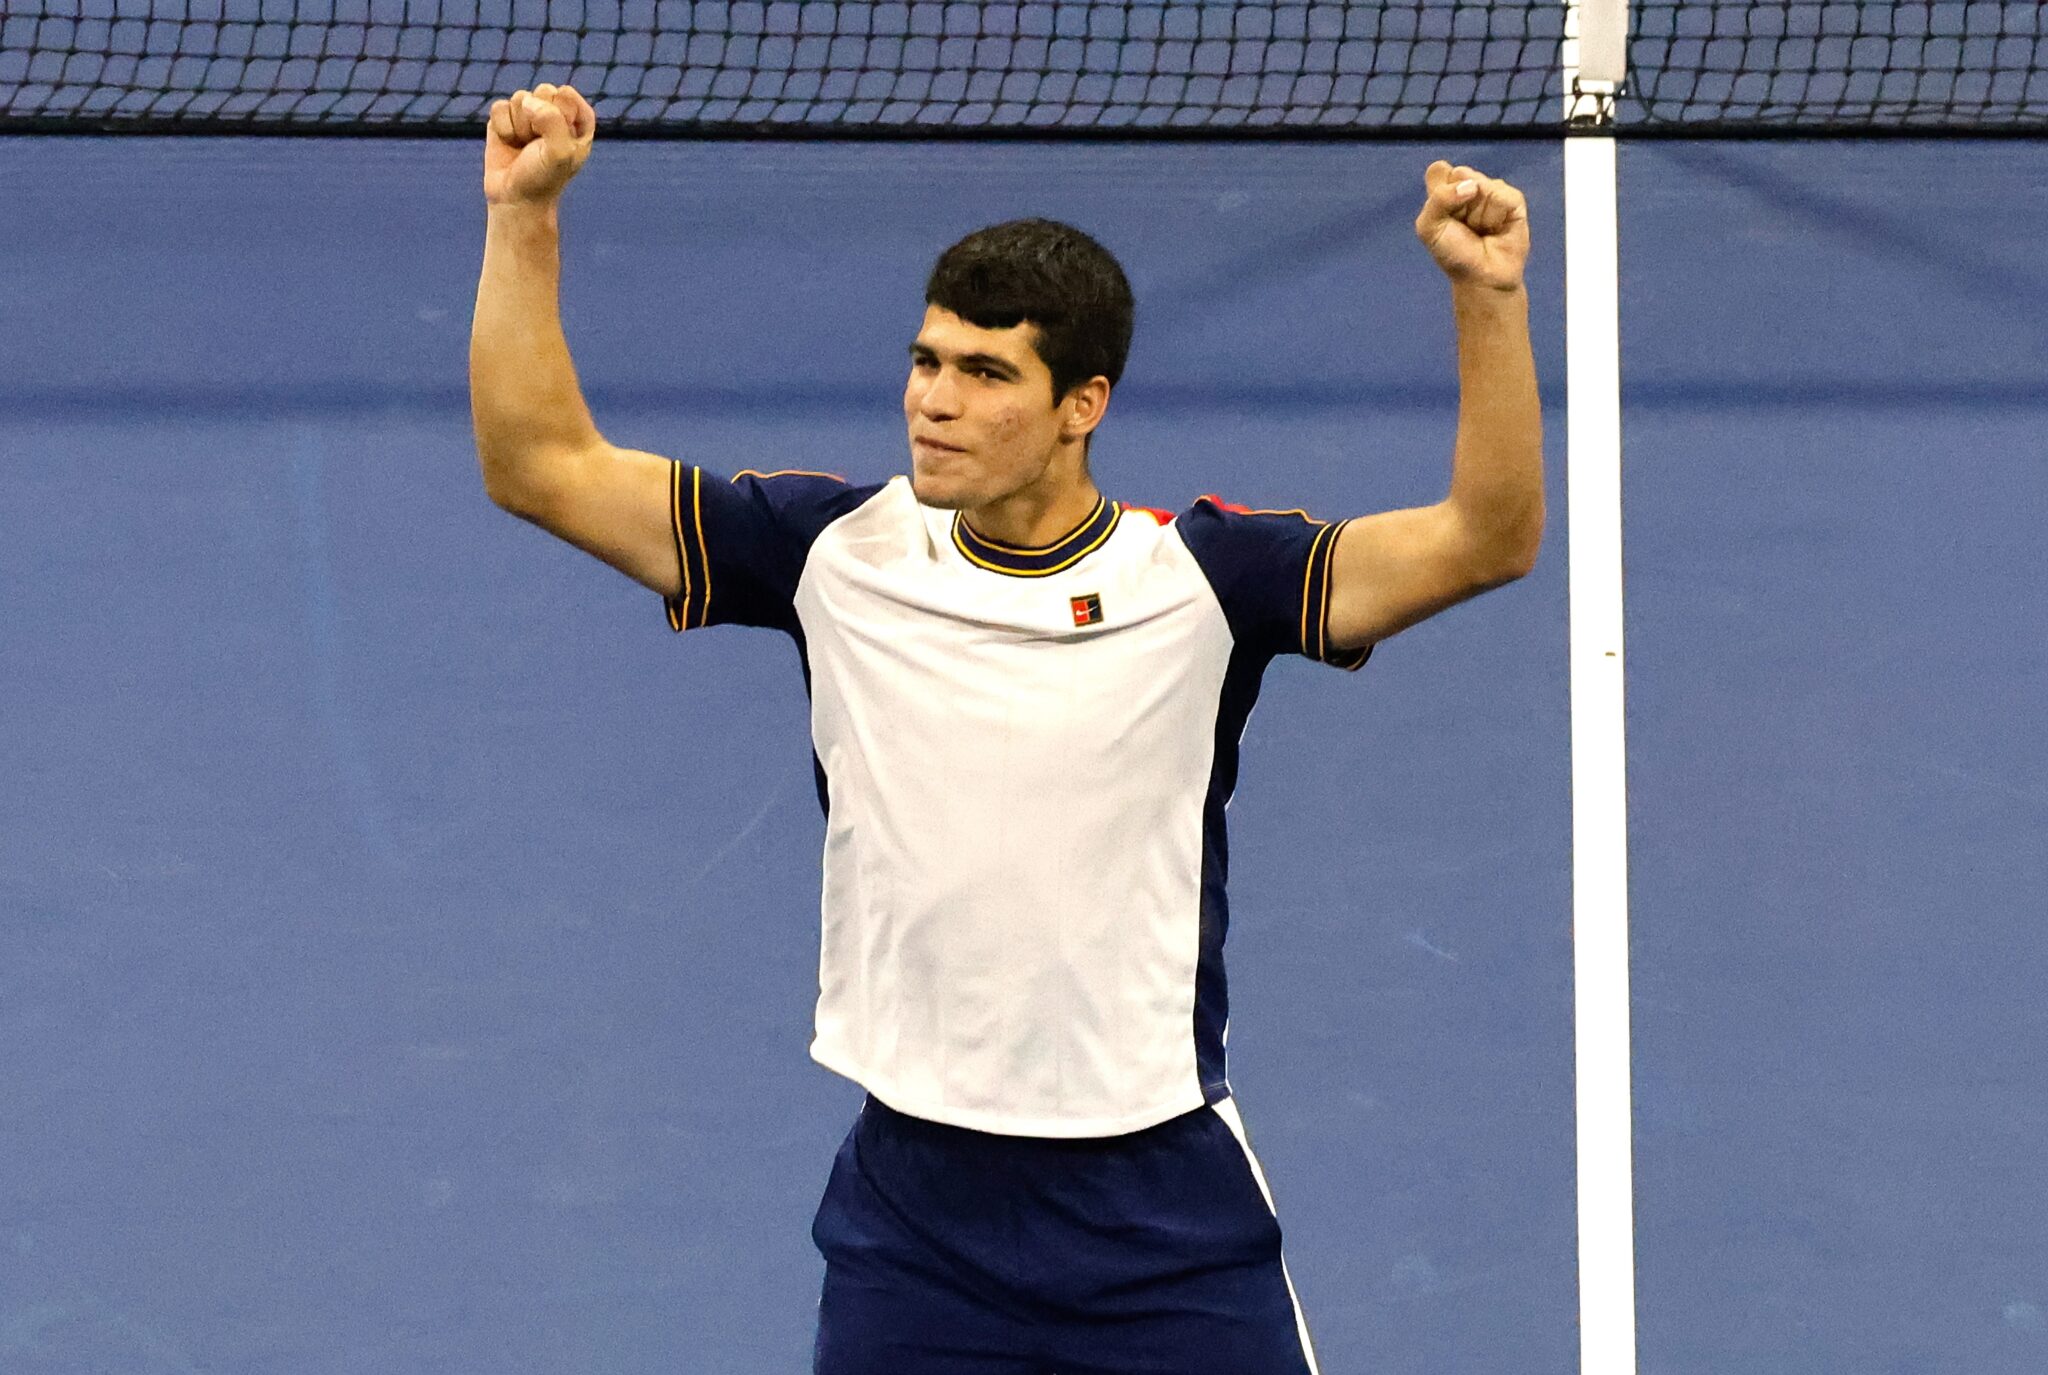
<point x="542" y="455"/>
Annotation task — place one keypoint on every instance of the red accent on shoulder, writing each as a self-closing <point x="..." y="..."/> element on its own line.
<point x="1163" y="517"/>
<point x="1236" y="509"/>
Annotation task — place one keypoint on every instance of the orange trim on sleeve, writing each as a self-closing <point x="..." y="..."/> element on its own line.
<point x="703" y="552"/>
<point x="1350" y="660"/>
<point x="1308" y="573"/>
<point x="1235" y="509"/>
<point x="675" y="524"/>
<point x="1323" y="616"/>
<point x="784" y="472"/>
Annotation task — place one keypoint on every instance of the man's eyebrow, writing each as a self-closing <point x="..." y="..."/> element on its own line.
<point x="990" y="361"/>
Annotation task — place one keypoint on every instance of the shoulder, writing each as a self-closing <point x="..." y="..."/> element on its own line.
<point x="801" y="489"/>
<point x="1215" y="528"/>
<point x="1213" y="508"/>
<point x="1270" y="570"/>
<point x="792" y="503"/>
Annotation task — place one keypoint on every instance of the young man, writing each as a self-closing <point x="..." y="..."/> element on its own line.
<point x="1026" y="703"/>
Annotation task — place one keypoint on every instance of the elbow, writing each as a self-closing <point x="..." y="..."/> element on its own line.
<point x="528" y="479"/>
<point x="1519" y="560"/>
<point x="510" y="485"/>
<point x="1510" y="553"/>
<point x="501" y="482"/>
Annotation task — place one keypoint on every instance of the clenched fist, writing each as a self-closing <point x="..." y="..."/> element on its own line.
<point x="538" y="140"/>
<point x="1475" y="227"/>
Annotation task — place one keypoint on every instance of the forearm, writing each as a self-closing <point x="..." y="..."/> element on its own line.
<point x="524" y="399"/>
<point x="1497" y="466"/>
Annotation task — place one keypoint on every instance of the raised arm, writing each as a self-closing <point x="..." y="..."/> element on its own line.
<point x="1399" y="567"/>
<point x="542" y="455"/>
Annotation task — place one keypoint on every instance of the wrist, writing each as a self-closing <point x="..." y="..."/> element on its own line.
<point x="1483" y="289"/>
<point x="544" y="214"/>
<point x="1477" y="298"/>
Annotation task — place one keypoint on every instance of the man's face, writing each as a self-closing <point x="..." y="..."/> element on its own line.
<point x="983" y="421"/>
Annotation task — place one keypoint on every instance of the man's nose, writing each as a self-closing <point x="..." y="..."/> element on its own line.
<point x="941" y="396"/>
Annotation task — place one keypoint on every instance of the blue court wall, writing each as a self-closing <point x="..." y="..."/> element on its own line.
<point x="404" y="943"/>
<point x="1836" y="487"/>
<point x="407" y="945"/>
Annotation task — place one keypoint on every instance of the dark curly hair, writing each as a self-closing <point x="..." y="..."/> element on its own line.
<point x="1054" y="277"/>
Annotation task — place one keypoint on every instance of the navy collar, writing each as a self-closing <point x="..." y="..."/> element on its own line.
<point x="1064" y="552"/>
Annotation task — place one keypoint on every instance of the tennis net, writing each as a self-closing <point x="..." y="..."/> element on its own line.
<point x="934" y="68"/>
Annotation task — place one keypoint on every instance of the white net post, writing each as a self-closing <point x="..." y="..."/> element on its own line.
<point x="1595" y="53"/>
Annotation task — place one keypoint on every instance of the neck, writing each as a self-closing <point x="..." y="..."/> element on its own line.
<point x="1030" y="520"/>
<point x="1039" y="514"/>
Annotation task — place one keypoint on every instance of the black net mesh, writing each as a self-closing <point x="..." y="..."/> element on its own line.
<point x="1968" y="66"/>
<point x="1152" y="67"/>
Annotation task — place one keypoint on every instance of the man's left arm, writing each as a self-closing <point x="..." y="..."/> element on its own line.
<point x="1399" y="567"/>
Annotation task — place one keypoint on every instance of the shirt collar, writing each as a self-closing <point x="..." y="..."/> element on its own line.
<point x="1064" y="552"/>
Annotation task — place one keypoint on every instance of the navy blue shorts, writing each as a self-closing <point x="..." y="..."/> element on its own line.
<point x="955" y="1252"/>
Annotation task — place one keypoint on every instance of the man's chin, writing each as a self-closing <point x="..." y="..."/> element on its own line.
<point x="941" y="495"/>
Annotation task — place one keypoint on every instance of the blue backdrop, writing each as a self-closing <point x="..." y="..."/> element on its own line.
<point x="406" y="944"/>
<point x="1836" y="489"/>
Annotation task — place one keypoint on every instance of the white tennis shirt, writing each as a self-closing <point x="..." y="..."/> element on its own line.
<point x="1024" y="757"/>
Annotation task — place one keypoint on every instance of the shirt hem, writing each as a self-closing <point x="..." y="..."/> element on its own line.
<point x="1008" y="1124"/>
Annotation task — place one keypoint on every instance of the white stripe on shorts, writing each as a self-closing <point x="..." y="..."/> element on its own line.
<point x="1227" y="1110"/>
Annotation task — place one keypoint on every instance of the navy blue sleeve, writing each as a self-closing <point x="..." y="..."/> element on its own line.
<point x="741" y="544"/>
<point x="1271" y="572"/>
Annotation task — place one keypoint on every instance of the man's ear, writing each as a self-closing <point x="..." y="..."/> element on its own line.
<point x="1082" y="408"/>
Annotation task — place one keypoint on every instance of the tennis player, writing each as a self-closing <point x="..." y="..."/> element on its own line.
<point x="1026" y="701"/>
